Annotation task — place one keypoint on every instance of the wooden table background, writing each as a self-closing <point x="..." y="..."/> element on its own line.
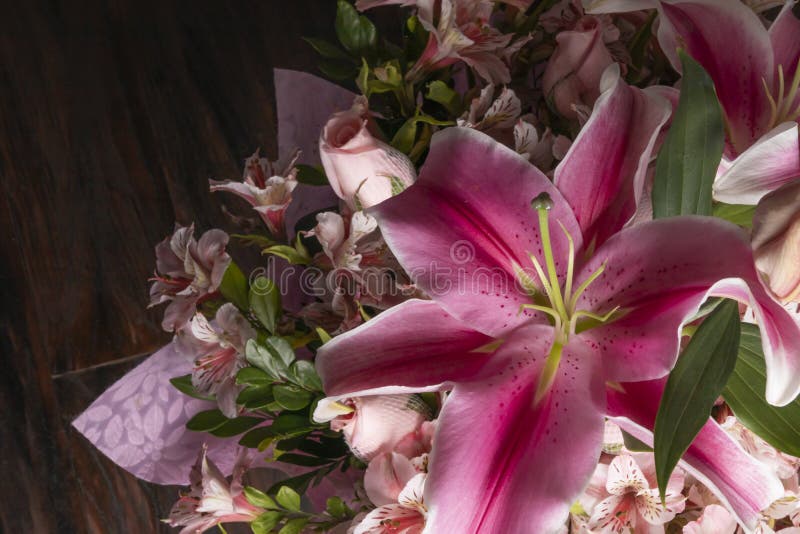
<point x="113" y="115"/>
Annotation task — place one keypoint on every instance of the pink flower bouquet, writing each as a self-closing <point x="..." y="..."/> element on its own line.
<point x="537" y="270"/>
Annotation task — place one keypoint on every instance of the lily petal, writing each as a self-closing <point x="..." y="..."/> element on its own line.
<point x="704" y="28"/>
<point x="462" y="227"/>
<point x="771" y="162"/>
<point x="658" y="269"/>
<point x="742" y="483"/>
<point x="528" y="462"/>
<point x="603" y="174"/>
<point x="414" y="344"/>
<point x="783" y="34"/>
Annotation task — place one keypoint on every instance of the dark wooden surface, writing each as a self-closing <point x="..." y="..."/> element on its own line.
<point x="113" y="115"/>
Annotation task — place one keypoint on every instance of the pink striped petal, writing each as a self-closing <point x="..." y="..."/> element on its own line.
<point x="602" y="175"/>
<point x="784" y="34"/>
<point x="743" y="484"/>
<point x="500" y="463"/>
<point x="774" y="160"/>
<point x="461" y="228"/>
<point x="704" y="28"/>
<point x="659" y="273"/>
<point x="415" y="344"/>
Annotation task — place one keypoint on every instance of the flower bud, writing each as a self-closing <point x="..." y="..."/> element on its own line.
<point x="362" y="169"/>
<point x="776" y="240"/>
<point x="374" y="424"/>
<point x="573" y="73"/>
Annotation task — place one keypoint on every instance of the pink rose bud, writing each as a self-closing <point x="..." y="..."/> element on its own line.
<point x="572" y="76"/>
<point x="776" y="240"/>
<point x="362" y="170"/>
<point x="374" y="424"/>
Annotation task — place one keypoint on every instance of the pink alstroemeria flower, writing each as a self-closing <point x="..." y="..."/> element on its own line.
<point x="267" y="187"/>
<point x="187" y="271"/>
<point x="633" y="503"/>
<point x="459" y="31"/>
<point x="758" y="86"/>
<point x="217" y="351"/>
<point x="212" y="500"/>
<point x="533" y="310"/>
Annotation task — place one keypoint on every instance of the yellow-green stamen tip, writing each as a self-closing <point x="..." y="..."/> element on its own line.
<point x="542" y="202"/>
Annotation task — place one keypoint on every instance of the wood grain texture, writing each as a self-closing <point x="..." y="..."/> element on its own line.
<point x="113" y="115"/>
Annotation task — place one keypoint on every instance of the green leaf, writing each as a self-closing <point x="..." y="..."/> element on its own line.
<point x="234" y="286"/>
<point x="290" y="254"/>
<point x="299" y="483"/>
<point x="735" y="213"/>
<point x="234" y="427"/>
<point x="323" y="335"/>
<point x="362" y="80"/>
<point x="311" y="174"/>
<point x="693" y="386"/>
<point x="302" y="459"/>
<point x="291" y="397"/>
<point x="305" y="375"/>
<point x="744" y="393"/>
<point x="185" y="386"/>
<point x="252" y="439"/>
<point x="335" y="507"/>
<point x="633" y="444"/>
<point x="403" y="140"/>
<point x="281" y="348"/>
<point x="440" y="92"/>
<point x="288" y="425"/>
<point x="688" y="161"/>
<point x="252" y="376"/>
<point x="265" y="302"/>
<point x="264" y="523"/>
<point x="262" y="357"/>
<point x="206" y="421"/>
<point x="326" y="49"/>
<point x="337" y="70"/>
<point x="256" y="497"/>
<point x="294" y="526"/>
<point x="356" y="33"/>
<point x="288" y="498"/>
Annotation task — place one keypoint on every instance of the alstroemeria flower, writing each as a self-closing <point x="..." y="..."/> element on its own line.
<point x="393" y="484"/>
<point x="459" y="31"/>
<point x="715" y="520"/>
<point x="217" y="350"/>
<point x="539" y="297"/>
<point x="212" y="500"/>
<point x="267" y="187"/>
<point x="633" y="503"/>
<point x="187" y="271"/>
<point x="341" y="247"/>
<point x="376" y="424"/>
<point x="758" y="86"/>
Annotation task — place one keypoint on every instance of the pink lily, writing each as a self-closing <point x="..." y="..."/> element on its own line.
<point x="527" y="352"/>
<point x="758" y="86"/>
<point x="267" y="187"/>
<point x="715" y="520"/>
<point x="212" y="500"/>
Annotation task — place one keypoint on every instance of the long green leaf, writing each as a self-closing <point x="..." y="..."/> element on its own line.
<point x="693" y="386"/>
<point x="688" y="161"/>
<point x="744" y="393"/>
